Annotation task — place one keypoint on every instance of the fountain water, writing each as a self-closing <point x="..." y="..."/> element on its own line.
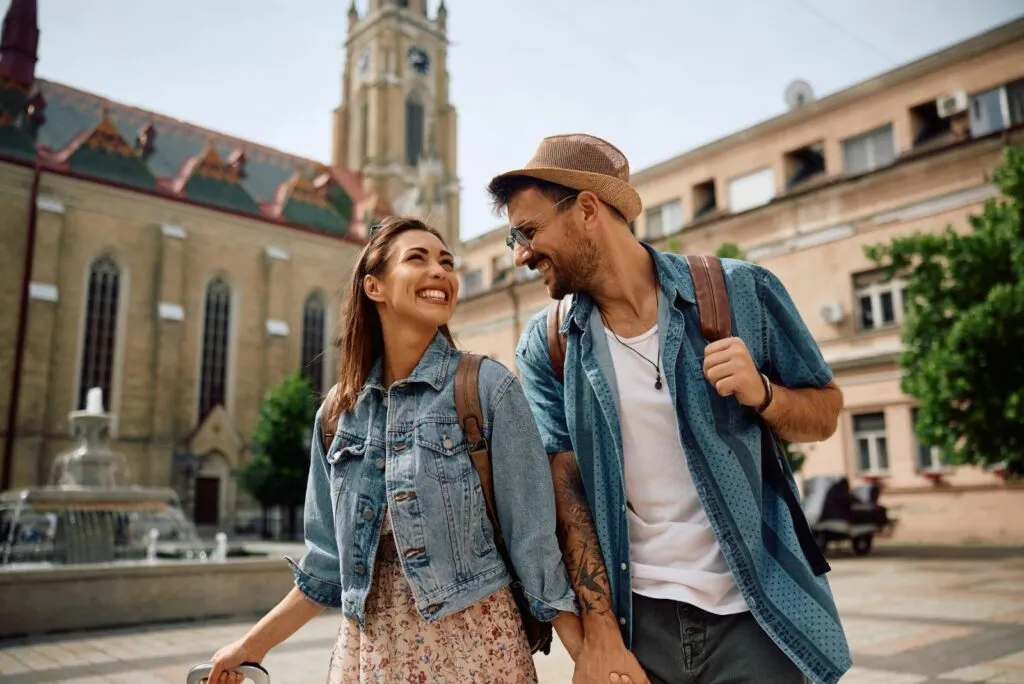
<point x="89" y="512"/>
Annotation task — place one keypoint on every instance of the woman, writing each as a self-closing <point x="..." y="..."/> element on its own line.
<point x="396" y="528"/>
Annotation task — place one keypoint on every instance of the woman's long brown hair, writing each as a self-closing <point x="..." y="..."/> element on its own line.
<point x="362" y="339"/>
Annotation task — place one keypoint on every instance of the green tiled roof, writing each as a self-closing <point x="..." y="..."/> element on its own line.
<point x="71" y="115"/>
<point x="210" y="181"/>
<point x="14" y="143"/>
<point x="303" y="204"/>
<point x="104" y="153"/>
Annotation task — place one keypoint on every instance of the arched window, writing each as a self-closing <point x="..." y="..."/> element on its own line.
<point x="414" y="124"/>
<point x="313" y="326"/>
<point x="213" y="374"/>
<point x="100" y="334"/>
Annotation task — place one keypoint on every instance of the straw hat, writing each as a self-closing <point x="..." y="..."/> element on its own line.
<point x="584" y="162"/>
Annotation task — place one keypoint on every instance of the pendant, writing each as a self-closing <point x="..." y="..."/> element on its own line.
<point x="657" y="382"/>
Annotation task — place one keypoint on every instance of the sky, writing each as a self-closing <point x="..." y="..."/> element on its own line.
<point x="656" y="79"/>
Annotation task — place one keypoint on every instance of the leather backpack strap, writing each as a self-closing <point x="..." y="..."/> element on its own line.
<point x="556" y="340"/>
<point x="470" y="415"/>
<point x="712" y="296"/>
<point x="328" y="409"/>
<point x="715" y="324"/>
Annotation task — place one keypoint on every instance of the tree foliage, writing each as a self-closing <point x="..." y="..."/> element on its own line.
<point x="276" y="476"/>
<point x="730" y="250"/>
<point x="963" y="336"/>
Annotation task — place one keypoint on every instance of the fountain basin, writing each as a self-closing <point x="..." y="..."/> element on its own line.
<point x="42" y="599"/>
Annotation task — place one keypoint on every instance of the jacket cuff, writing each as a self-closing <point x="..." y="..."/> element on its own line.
<point x="320" y="592"/>
<point x="546" y="611"/>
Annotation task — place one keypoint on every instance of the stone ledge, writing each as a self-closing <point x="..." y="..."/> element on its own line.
<point x="83" y="597"/>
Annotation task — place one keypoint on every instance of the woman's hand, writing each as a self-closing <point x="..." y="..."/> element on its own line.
<point x="231" y="656"/>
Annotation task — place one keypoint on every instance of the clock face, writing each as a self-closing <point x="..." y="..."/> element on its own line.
<point x="363" y="62"/>
<point x="419" y="60"/>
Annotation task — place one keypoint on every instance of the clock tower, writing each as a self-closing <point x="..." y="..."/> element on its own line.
<point x="395" y="124"/>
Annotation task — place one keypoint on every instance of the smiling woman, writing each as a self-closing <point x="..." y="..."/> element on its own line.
<point x="396" y="520"/>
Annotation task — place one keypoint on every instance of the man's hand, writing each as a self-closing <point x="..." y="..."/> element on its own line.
<point x="603" y="660"/>
<point x="728" y="366"/>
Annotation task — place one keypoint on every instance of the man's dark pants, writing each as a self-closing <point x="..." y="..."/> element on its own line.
<point x="681" y="644"/>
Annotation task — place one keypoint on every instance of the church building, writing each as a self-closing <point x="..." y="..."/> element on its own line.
<point x="184" y="271"/>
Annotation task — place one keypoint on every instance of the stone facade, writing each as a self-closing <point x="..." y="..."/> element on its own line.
<point x="853" y="192"/>
<point x="169" y="215"/>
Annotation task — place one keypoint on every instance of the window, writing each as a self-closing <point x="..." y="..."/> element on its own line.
<point x="869" y="151"/>
<point x="664" y="219"/>
<point x="870" y="442"/>
<point x="929" y="458"/>
<point x="880" y="303"/>
<point x="100" y="334"/>
<point x="472" y="282"/>
<point x="704" y="200"/>
<point x="751" y="190"/>
<point x="1015" y="101"/>
<point x="414" y="126"/>
<point x="926" y="123"/>
<point x="313" y="344"/>
<point x="804" y="163"/>
<point x="213" y="375"/>
<point x="989" y="112"/>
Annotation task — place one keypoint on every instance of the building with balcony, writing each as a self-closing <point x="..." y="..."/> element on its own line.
<point x="802" y="194"/>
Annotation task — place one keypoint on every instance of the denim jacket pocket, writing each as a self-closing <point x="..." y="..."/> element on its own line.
<point x="444" y="446"/>
<point x="347" y="450"/>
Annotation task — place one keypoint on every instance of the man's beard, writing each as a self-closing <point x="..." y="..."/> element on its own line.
<point x="574" y="273"/>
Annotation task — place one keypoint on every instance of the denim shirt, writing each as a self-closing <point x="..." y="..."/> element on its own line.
<point x="401" y="452"/>
<point x="721" y="442"/>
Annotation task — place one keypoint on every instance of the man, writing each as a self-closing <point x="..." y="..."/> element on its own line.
<point x="679" y="548"/>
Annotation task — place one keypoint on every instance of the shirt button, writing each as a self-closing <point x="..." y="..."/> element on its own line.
<point x="624" y="567"/>
<point x="368" y="514"/>
<point x="447" y="443"/>
<point x="380" y="464"/>
<point x="360" y="569"/>
<point x="622" y="621"/>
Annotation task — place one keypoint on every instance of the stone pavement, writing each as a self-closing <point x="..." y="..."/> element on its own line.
<point x="912" y="616"/>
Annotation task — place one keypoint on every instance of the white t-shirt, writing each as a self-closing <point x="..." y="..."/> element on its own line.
<point x="673" y="549"/>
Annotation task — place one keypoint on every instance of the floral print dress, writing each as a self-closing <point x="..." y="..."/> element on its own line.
<point x="483" y="644"/>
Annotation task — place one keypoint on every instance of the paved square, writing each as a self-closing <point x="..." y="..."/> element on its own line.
<point x="911" y="618"/>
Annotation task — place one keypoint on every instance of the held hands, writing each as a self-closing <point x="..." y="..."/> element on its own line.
<point x="729" y="367"/>
<point x="598" y="662"/>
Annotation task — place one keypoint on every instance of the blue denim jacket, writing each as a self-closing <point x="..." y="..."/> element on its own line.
<point x="722" y="443"/>
<point x="402" y="450"/>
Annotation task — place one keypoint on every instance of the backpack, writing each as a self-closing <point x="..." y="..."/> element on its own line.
<point x="470" y="416"/>
<point x="715" y="315"/>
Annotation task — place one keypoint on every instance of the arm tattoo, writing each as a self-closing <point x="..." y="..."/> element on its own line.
<point x="581" y="549"/>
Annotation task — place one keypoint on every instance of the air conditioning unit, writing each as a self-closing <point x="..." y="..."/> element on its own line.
<point x="832" y="313"/>
<point x="950" y="105"/>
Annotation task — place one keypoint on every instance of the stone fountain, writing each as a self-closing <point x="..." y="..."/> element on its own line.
<point x="92" y="550"/>
<point x="90" y="512"/>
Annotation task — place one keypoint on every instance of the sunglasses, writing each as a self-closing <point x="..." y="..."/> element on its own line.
<point x="515" y="233"/>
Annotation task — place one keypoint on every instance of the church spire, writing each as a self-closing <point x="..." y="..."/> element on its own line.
<point x="19" y="44"/>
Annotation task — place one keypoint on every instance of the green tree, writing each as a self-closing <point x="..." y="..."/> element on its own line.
<point x="730" y="250"/>
<point x="963" y="335"/>
<point x="276" y="476"/>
